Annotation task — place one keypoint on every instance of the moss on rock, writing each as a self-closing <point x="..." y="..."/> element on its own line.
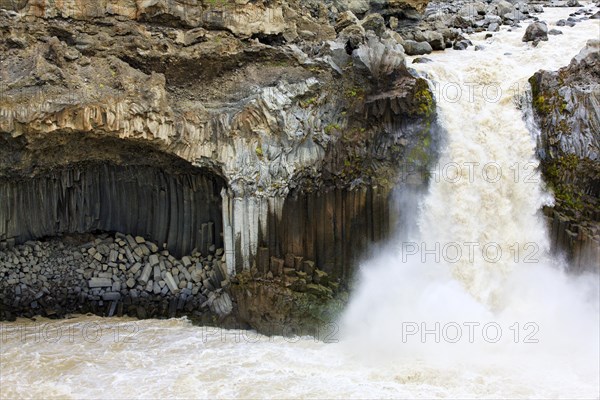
<point x="272" y="308"/>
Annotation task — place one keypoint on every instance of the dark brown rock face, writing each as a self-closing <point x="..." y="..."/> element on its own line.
<point x="333" y="229"/>
<point x="566" y="107"/>
<point x="254" y="125"/>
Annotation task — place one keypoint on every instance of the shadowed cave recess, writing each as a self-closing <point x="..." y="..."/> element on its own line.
<point x="108" y="226"/>
<point x="124" y="187"/>
<point x="114" y="227"/>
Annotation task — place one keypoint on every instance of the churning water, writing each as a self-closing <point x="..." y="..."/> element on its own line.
<point x="467" y="305"/>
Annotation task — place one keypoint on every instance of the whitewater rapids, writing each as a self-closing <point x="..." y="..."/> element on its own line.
<point x="527" y="330"/>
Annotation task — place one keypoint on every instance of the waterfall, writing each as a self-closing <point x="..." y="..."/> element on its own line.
<point x="466" y="302"/>
<point x="476" y="280"/>
<point x="481" y="213"/>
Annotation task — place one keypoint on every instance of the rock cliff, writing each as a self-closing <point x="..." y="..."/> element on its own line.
<point x="566" y="105"/>
<point x="284" y="124"/>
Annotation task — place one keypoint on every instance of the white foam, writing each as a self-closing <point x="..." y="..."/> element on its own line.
<point x="173" y="359"/>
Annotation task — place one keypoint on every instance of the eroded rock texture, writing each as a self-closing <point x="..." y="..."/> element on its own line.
<point x="567" y="108"/>
<point x="275" y="102"/>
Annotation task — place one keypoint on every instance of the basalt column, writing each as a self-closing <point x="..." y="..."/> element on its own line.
<point x="181" y="209"/>
<point x="330" y="230"/>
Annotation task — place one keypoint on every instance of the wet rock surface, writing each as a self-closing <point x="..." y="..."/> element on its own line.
<point x="536" y="32"/>
<point x="565" y="105"/>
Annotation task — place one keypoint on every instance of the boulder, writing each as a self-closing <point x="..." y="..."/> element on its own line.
<point x="462" y="44"/>
<point x="408" y="8"/>
<point x="504" y="7"/>
<point x="462" y="22"/>
<point x="352" y="36"/>
<point x="380" y="57"/>
<point x="355" y="6"/>
<point x="374" y="22"/>
<point x="435" y="40"/>
<point x="513" y="17"/>
<point x="422" y="60"/>
<point x="535" y="32"/>
<point x="472" y="9"/>
<point x="413" y="48"/>
<point x="344" y="20"/>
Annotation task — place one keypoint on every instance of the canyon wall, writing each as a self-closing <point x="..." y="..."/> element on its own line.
<point x="275" y="128"/>
<point x="566" y="106"/>
<point x="182" y="212"/>
<point x="272" y="97"/>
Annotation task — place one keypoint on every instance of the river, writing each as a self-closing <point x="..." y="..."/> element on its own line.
<point x="469" y="324"/>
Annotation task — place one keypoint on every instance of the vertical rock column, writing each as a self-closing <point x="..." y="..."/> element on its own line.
<point x="246" y="223"/>
<point x="182" y="210"/>
<point x="332" y="229"/>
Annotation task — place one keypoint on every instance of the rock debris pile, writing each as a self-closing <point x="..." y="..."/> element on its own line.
<point x="110" y="275"/>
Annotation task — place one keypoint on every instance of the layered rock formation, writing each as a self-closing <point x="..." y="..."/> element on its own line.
<point x="566" y="104"/>
<point x="283" y="123"/>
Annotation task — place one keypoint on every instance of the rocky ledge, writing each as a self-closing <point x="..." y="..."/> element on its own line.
<point x="566" y="105"/>
<point x="118" y="274"/>
<point x="274" y="99"/>
<point x="274" y="129"/>
<point x="445" y="24"/>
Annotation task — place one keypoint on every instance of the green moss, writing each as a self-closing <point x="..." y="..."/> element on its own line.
<point x="563" y="107"/>
<point x="354" y="94"/>
<point x="568" y="196"/>
<point x="279" y="63"/>
<point x="216" y="3"/>
<point x="544" y="103"/>
<point x="322" y="309"/>
<point x="356" y="166"/>
<point x="420" y="155"/>
<point x="300" y="311"/>
<point x="316" y="69"/>
<point x="563" y="127"/>
<point x="329" y="128"/>
<point x="259" y="152"/>
<point x="309" y="102"/>
<point x="423" y="98"/>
